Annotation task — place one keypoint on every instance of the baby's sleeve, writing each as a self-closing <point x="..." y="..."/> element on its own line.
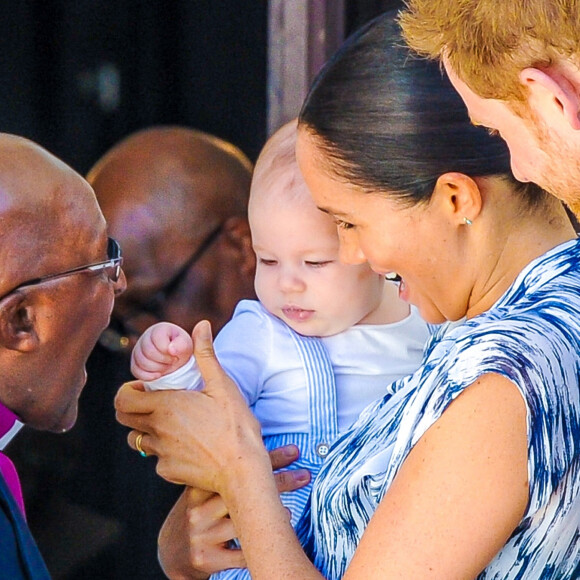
<point x="243" y="348"/>
<point x="186" y="377"/>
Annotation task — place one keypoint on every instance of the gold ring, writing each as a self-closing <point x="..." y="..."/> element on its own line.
<point x="138" y="445"/>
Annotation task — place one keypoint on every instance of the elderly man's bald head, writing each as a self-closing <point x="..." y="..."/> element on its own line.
<point x="48" y="213"/>
<point x="174" y="168"/>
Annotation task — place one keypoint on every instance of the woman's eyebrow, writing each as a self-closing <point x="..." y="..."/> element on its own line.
<point x="330" y="211"/>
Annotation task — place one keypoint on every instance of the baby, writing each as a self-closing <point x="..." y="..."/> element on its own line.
<point x="324" y="338"/>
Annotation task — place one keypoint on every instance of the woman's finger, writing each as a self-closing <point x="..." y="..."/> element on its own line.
<point x="292" y="479"/>
<point x="284" y="456"/>
<point x="132" y="398"/>
<point x="194" y="538"/>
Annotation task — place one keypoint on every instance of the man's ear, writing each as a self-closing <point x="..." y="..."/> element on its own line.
<point x="239" y="237"/>
<point x="17" y="324"/>
<point x="459" y="196"/>
<point x="554" y="86"/>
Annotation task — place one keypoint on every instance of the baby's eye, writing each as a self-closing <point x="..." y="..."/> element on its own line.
<point x="343" y="225"/>
<point x="267" y="262"/>
<point x="318" y="264"/>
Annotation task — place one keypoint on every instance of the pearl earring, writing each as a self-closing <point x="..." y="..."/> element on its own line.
<point x="467" y="221"/>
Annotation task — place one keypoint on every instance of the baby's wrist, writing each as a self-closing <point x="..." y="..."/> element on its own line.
<point x="182" y="378"/>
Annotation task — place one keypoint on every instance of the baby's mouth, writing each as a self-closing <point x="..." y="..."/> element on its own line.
<point x="295" y="313"/>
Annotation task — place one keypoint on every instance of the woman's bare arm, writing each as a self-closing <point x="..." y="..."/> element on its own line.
<point x="459" y="494"/>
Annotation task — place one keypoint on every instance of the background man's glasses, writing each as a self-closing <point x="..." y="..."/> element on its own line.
<point x="120" y="336"/>
<point x="111" y="266"/>
<point x="155" y="304"/>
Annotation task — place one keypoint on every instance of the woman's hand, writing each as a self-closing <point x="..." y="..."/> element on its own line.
<point x="200" y="438"/>
<point x="193" y="539"/>
<point x="210" y="440"/>
<point x="193" y="542"/>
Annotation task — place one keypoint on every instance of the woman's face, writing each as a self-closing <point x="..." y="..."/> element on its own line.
<point x="419" y="243"/>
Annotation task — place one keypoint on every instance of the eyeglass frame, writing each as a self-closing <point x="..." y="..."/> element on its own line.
<point x="114" y="260"/>
<point x="154" y="305"/>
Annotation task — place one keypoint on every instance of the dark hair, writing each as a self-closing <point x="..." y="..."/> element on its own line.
<point x="390" y="121"/>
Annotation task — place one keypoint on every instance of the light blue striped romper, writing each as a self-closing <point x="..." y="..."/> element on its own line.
<point x="290" y="381"/>
<point x="532" y="337"/>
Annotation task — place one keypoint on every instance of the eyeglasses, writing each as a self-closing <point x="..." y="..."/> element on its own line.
<point x="111" y="266"/>
<point x="154" y="305"/>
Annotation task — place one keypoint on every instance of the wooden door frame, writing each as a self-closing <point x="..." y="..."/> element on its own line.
<point x="302" y="35"/>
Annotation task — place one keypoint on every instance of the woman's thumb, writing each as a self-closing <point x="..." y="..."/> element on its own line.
<point x="211" y="371"/>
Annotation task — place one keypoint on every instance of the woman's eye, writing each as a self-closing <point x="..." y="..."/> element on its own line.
<point x="343" y="225"/>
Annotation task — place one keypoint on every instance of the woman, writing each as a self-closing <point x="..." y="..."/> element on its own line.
<point x="470" y="467"/>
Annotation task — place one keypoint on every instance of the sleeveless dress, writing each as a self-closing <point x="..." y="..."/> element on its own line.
<point x="532" y="337"/>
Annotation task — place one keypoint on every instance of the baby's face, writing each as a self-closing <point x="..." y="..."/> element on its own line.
<point x="299" y="277"/>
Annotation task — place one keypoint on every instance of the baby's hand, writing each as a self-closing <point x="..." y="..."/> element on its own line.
<point x="160" y="350"/>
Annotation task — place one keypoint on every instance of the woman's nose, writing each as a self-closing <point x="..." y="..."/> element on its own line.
<point x="349" y="250"/>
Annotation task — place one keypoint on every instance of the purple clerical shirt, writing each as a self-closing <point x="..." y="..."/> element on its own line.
<point x="7" y="469"/>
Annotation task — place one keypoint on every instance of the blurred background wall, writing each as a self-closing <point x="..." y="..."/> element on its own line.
<point x="78" y="75"/>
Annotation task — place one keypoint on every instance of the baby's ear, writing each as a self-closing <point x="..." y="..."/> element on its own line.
<point x="239" y="237"/>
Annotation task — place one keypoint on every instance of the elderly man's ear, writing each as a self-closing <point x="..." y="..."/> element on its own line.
<point x="239" y="239"/>
<point x="17" y="324"/>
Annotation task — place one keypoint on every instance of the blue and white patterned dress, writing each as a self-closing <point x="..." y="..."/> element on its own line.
<point x="532" y="337"/>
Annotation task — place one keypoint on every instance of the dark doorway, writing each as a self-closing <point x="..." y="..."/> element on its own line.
<point x="78" y="76"/>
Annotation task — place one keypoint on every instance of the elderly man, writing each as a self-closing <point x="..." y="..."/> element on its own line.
<point x="515" y="64"/>
<point x="60" y="275"/>
<point x="176" y="199"/>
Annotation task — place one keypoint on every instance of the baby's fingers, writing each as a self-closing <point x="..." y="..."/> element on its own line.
<point x="181" y="346"/>
<point x="147" y="359"/>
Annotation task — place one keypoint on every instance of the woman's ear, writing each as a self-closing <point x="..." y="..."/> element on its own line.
<point x="237" y="230"/>
<point x="459" y="197"/>
<point x="553" y="87"/>
<point x="17" y="324"/>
